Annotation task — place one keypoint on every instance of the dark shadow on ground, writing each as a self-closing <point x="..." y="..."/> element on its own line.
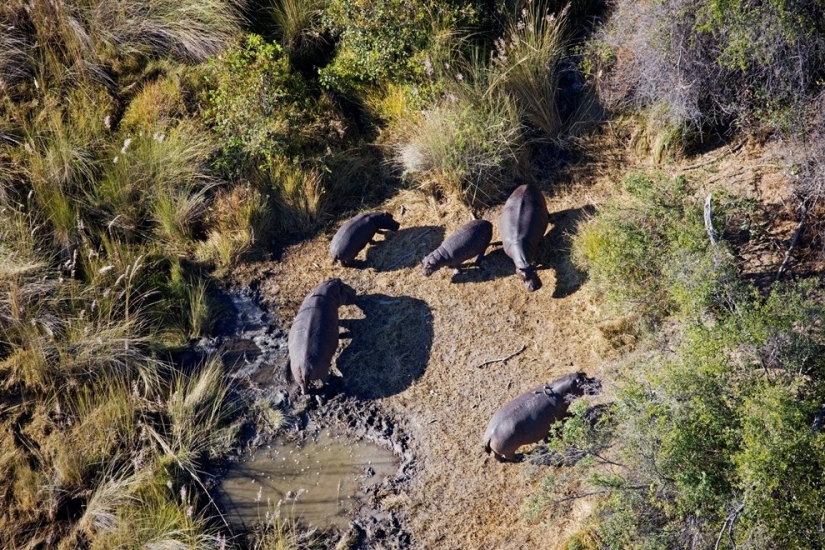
<point x="555" y="251"/>
<point x="390" y="346"/>
<point x="403" y="248"/>
<point x="495" y="265"/>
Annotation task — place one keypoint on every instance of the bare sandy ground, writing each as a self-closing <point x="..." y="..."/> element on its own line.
<point x="415" y="344"/>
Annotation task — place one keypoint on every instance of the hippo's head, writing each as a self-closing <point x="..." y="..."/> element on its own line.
<point x="530" y="277"/>
<point x="383" y="220"/>
<point x="575" y="385"/>
<point x="346" y="294"/>
<point x="427" y="267"/>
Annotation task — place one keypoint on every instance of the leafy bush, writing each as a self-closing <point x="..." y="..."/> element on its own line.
<point x="258" y="106"/>
<point x="385" y="41"/>
<point x="710" y="436"/>
<point x="697" y="62"/>
<point x="654" y="242"/>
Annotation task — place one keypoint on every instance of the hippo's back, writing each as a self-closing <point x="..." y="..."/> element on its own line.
<point x="352" y="237"/>
<point x="469" y="241"/>
<point x="313" y="337"/>
<point x="526" y="419"/>
<point x="524" y="220"/>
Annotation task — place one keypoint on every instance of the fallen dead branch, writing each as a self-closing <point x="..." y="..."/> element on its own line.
<point x="503" y="359"/>
<point x="709" y="220"/>
<point x="794" y="239"/>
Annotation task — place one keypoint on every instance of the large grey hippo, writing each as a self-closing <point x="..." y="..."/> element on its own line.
<point x="527" y="418"/>
<point x="522" y="225"/>
<point x="313" y="337"/>
<point x="470" y="241"/>
<point x="356" y="233"/>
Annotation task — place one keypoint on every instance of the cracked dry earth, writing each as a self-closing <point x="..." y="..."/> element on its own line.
<point x="413" y="347"/>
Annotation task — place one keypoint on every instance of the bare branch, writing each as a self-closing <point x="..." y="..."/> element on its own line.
<point x="709" y="220"/>
<point x="796" y="234"/>
<point x="503" y="359"/>
<point x="728" y="524"/>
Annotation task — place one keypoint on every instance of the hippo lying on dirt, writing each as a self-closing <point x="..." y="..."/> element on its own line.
<point x="313" y="337"/>
<point x="522" y="225"/>
<point x="471" y="240"/>
<point x="527" y="418"/>
<point x="356" y="233"/>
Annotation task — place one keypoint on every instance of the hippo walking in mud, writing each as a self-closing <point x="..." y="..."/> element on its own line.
<point x="527" y="418"/>
<point x="313" y="337"/>
<point x="522" y="225"/>
<point x="470" y="241"/>
<point x="356" y="233"/>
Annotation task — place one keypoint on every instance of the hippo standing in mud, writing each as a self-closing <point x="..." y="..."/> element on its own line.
<point x="522" y="225"/>
<point x="470" y="241"/>
<point x="356" y="233"/>
<point x="527" y="418"/>
<point x="313" y="337"/>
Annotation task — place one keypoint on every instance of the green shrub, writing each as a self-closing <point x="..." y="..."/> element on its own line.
<point x="714" y="423"/>
<point x="698" y="63"/>
<point x="376" y="41"/>
<point x="257" y="105"/>
<point x="650" y="250"/>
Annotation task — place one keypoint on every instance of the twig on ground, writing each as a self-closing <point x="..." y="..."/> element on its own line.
<point x="796" y="234"/>
<point x="503" y="359"/>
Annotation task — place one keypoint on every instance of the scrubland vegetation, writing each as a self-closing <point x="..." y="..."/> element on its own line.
<point x="146" y="148"/>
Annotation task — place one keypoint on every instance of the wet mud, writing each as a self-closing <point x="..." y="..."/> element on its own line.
<point x="339" y="464"/>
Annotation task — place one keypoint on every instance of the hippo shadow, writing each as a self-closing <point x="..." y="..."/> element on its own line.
<point x="555" y="252"/>
<point x="390" y="346"/>
<point x="404" y="248"/>
<point x="495" y="265"/>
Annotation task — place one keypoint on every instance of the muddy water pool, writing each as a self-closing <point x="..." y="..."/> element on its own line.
<point x="316" y="482"/>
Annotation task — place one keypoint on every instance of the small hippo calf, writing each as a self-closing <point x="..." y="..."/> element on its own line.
<point x="522" y="225"/>
<point x="356" y="233"/>
<point x="313" y="337"/>
<point x="471" y="240"/>
<point x="527" y="418"/>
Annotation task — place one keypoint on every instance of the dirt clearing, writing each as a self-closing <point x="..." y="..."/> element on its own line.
<point x="413" y="344"/>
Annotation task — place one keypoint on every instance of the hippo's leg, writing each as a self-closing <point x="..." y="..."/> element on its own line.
<point x="347" y="263"/>
<point x="477" y="263"/>
<point x="505" y="458"/>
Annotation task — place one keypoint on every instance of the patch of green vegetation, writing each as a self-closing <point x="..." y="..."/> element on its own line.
<point x="710" y="431"/>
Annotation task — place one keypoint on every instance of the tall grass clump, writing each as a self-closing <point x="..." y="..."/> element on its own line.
<point x="106" y="187"/>
<point x="468" y="144"/>
<point x="529" y="56"/>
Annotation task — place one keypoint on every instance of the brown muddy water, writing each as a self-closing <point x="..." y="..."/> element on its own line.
<point x="316" y="482"/>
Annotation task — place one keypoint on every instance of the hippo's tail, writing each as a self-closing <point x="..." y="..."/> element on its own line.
<point x="487" y="448"/>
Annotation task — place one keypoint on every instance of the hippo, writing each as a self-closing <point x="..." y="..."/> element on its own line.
<point x="522" y="225"/>
<point x="527" y="418"/>
<point x="356" y="233"/>
<point x="313" y="337"/>
<point x="471" y="240"/>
